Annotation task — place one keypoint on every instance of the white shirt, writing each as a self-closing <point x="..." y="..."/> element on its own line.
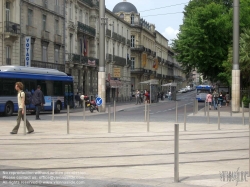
<point x="20" y="98"/>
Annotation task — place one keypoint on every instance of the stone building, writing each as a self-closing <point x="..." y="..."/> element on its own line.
<point x="10" y="32"/>
<point x="43" y="21"/>
<point x="82" y="49"/>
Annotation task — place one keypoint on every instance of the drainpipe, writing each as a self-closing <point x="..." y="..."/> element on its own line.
<point x="3" y="33"/>
<point x="21" y="33"/>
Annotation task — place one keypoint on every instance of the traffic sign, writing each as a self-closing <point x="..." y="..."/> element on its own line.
<point x="98" y="101"/>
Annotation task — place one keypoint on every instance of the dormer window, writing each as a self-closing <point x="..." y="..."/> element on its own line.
<point x="132" y="18"/>
<point x="122" y="16"/>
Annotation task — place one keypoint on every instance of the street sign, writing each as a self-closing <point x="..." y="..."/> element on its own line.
<point x="98" y="101"/>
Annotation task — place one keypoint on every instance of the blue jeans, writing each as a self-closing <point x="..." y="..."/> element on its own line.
<point x="215" y="104"/>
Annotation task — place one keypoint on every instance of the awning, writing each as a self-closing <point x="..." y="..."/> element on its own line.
<point x="170" y="84"/>
<point x="115" y="83"/>
<point x="151" y="81"/>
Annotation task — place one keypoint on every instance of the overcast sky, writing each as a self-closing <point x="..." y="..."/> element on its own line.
<point x="168" y="24"/>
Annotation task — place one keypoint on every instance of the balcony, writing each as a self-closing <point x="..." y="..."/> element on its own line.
<point x="31" y="31"/>
<point x="71" y="25"/>
<point x="40" y="64"/>
<point x="8" y="61"/>
<point x="138" y="71"/>
<point x="159" y="59"/>
<point x="58" y="39"/>
<point x="86" y="29"/>
<point x="45" y="35"/>
<point x="139" y="48"/>
<point x="12" y="28"/>
<point x="84" y="60"/>
<point x="128" y="42"/>
<point x="123" y="40"/>
<point x="114" y="36"/>
<point x="90" y="3"/>
<point x="109" y="57"/>
<point x="153" y="53"/>
<point x="108" y="33"/>
<point x="119" y="37"/>
<point x="129" y="63"/>
<point x="119" y="60"/>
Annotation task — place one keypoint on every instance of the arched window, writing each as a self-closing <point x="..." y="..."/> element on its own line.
<point x="132" y="18"/>
<point x="122" y="16"/>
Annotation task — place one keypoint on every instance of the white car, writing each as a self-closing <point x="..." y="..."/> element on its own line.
<point x="182" y="90"/>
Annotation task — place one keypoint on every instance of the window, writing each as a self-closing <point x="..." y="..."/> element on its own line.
<point x="44" y="22"/>
<point x="117" y="28"/>
<point x="132" y="41"/>
<point x="113" y="27"/>
<point x="32" y="51"/>
<point x="87" y="19"/>
<point x="70" y="43"/>
<point x="80" y="16"/>
<point x="57" y="2"/>
<point x="122" y="31"/>
<point x="44" y="58"/>
<point x="57" y="27"/>
<point x="122" y="16"/>
<point x="7" y="11"/>
<point x="132" y="18"/>
<point x="30" y="17"/>
<point x="56" y="56"/>
<point x="132" y="63"/>
<point x="70" y="11"/>
<point x="8" y="57"/>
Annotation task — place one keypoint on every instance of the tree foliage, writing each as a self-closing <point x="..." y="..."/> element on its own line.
<point x="205" y="37"/>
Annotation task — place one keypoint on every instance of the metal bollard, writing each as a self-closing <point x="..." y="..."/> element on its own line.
<point x="114" y="109"/>
<point x="24" y="120"/>
<point x="53" y="109"/>
<point x="185" y="117"/>
<point x="67" y="119"/>
<point x="218" y="118"/>
<point x="148" y="117"/>
<point x="243" y="117"/>
<point x="230" y="109"/>
<point x="84" y="116"/>
<point x="176" y="153"/>
<point x="176" y="112"/>
<point x="208" y="117"/>
<point x="249" y="123"/>
<point x="145" y="111"/>
<point x="194" y="108"/>
<point x="205" y="109"/>
<point x="109" y="127"/>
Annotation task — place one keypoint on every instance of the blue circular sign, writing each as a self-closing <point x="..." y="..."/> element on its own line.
<point x="98" y="101"/>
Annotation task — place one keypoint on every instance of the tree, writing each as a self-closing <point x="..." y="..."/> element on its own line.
<point x="204" y="37"/>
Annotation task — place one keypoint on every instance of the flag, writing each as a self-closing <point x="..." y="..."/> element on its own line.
<point x="85" y="47"/>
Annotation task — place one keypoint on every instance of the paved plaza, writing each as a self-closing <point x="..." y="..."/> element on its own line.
<point x="129" y="156"/>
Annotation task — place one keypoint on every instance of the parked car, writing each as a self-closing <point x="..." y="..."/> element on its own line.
<point x="182" y="90"/>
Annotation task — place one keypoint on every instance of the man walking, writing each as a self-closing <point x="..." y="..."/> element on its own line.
<point x="21" y="106"/>
<point x="137" y="96"/>
<point x="38" y="100"/>
<point x="215" y="99"/>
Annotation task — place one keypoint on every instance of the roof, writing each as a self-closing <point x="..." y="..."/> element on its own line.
<point x="124" y="7"/>
<point x="151" y="81"/>
<point x="170" y="84"/>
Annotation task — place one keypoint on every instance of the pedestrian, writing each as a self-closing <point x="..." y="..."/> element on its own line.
<point x="137" y="97"/>
<point x="38" y="101"/>
<point x="21" y="108"/>
<point x="209" y="100"/>
<point x="227" y="99"/>
<point x="77" y="99"/>
<point x="220" y="99"/>
<point x="169" y="95"/>
<point x="215" y="99"/>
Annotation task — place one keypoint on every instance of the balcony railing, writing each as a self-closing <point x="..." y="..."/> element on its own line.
<point x="123" y="40"/>
<point x="45" y="35"/>
<point x="31" y="31"/>
<point x="137" y="70"/>
<point x="128" y="42"/>
<point x="114" y="36"/>
<point x="84" y="60"/>
<point x="109" y="57"/>
<point x="58" y="39"/>
<point x="90" y="3"/>
<point x="86" y="29"/>
<point x="108" y="32"/>
<point x="40" y="64"/>
<point x="129" y="63"/>
<point x="119" y="60"/>
<point x="12" y="27"/>
<point x="140" y="48"/>
<point x="8" y="61"/>
<point x="71" y="25"/>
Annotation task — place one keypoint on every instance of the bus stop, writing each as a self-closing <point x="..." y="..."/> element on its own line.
<point x="172" y="88"/>
<point x="153" y="89"/>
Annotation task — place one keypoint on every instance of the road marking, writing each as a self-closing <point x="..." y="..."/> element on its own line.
<point x="158" y="112"/>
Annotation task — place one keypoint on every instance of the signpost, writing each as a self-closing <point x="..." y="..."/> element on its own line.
<point x="27" y="51"/>
<point x="98" y="101"/>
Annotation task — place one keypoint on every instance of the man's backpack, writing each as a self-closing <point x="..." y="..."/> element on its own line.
<point x="28" y="98"/>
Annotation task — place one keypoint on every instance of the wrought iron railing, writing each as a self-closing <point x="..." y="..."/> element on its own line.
<point x="45" y="35"/>
<point x="86" y="29"/>
<point x="108" y="32"/>
<point x="109" y="57"/>
<point x="12" y="27"/>
<point x="119" y="60"/>
<point x="114" y="36"/>
<point x="76" y="58"/>
<point x="40" y="64"/>
<point x="138" y="48"/>
<point x="128" y="42"/>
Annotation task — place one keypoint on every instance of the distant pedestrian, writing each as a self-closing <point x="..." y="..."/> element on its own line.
<point x="227" y="99"/>
<point x="220" y="99"/>
<point x="21" y="106"/>
<point x="215" y="99"/>
<point x="38" y="101"/>
<point x="169" y="95"/>
<point x="209" y="99"/>
<point x="137" y="97"/>
<point x="77" y="100"/>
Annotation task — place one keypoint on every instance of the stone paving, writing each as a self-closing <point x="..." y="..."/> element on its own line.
<point x="129" y="156"/>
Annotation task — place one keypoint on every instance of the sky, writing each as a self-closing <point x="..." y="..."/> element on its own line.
<point x="168" y="24"/>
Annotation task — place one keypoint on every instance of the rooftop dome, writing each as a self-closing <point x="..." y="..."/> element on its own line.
<point x="124" y="7"/>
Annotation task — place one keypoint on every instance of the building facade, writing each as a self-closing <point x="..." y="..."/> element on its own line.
<point x="10" y="32"/>
<point x="43" y="21"/>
